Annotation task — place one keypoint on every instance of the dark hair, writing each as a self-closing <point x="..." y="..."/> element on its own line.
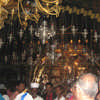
<point x="49" y="83"/>
<point x="3" y="91"/>
<point x="59" y="86"/>
<point x="12" y="89"/>
<point x="19" y="82"/>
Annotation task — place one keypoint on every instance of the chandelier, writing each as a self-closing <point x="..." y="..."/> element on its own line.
<point x="33" y="10"/>
<point x="44" y="33"/>
<point x="28" y="10"/>
<point x="4" y="2"/>
<point x="3" y="16"/>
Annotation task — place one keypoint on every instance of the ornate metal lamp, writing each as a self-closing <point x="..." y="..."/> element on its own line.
<point x="44" y="33"/>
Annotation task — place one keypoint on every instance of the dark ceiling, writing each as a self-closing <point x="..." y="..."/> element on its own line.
<point x="87" y="4"/>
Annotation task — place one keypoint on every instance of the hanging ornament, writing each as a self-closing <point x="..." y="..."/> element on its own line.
<point x="95" y="36"/>
<point x="73" y="29"/>
<point x="86" y="41"/>
<point x="21" y="33"/>
<point x="78" y="11"/>
<point x="1" y="42"/>
<point x="10" y="38"/>
<point x="97" y="15"/>
<point x="92" y="16"/>
<point x="74" y="9"/>
<point x="82" y="10"/>
<point x="43" y="32"/>
<point x="79" y="41"/>
<point x="67" y="8"/>
<point x="31" y="29"/>
<point x="85" y="33"/>
<point x="85" y="13"/>
<point x="71" y="41"/>
<point x="63" y="29"/>
<point x="90" y="12"/>
<point x="70" y="10"/>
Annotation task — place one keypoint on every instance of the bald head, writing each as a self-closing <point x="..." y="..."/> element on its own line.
<point x="88" y="84"/>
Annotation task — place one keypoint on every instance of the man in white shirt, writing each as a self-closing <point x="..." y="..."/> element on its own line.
<point x="34" y="90"/>
<point x="23" y="94"/>
<point x="6" y="97"/>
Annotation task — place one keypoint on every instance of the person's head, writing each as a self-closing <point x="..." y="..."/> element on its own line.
<point x="20" y="86"/>
<point x="3" y="89"/>
<point x="86" y="86"/>
<point x="98" y="96"/>
<point x="49" y="87"/>
<point x="59" y="90"/>
<point x="34" y="88"/>
<point x="11" y="88"/>
<point x="10" y="91"/>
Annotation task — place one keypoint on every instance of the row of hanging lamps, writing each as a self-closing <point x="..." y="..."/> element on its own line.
<point x="85" y="34"/>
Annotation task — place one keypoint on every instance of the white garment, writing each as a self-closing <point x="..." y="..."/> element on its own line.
<point x="6" y="97"/>
<point x="27" y="97"/>
<point x="62" y="98"/>
<point x="69" y="95"/>
<point x="38" y="98"/>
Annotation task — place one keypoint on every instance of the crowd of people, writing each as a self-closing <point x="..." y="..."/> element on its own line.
<point x="86" y="87"/>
